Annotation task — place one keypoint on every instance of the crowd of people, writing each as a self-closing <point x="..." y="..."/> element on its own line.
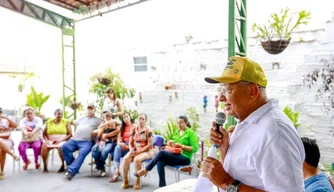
<point x="263" y="152"/>
<point x="115" y="134"/>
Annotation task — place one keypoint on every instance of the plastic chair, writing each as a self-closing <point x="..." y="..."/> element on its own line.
<point x="14" y="162"/>
<point x="177" y="168"/>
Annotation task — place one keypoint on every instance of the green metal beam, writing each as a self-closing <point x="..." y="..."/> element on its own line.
<point x="104" y="7"/>
<point x="31" y="10"/>
<point x="237" y="33"/>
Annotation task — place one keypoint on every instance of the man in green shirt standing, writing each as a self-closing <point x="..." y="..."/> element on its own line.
<point x="184" y="138"/>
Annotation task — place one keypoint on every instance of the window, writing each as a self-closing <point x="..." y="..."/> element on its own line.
<point x="140" y="63"/>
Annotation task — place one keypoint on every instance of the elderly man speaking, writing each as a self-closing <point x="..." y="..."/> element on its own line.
<point x="264" y="153"/>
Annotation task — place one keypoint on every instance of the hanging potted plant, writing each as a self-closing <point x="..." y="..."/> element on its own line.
<point x="275" y="36"/>
<point x="74" y="105"/>
<point x="104" y="80"/>
<point x="20" y="87"/>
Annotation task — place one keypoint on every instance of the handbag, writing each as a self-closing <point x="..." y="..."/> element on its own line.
<point x="174" y="150"/>
<point x="34" y="137"/>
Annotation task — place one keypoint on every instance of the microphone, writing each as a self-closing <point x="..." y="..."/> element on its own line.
<point x="219" y="120"/>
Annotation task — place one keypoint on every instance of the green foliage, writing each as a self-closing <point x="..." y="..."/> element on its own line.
<point x="293" y="116"/>
<point x="24" y="79"/>
<point x="188" y="38"/>
<point x="36" y="100"/>
<point x="157" y="132"/>
<point x="116" y="83"/>
<point x="132" y="112"/>
<point x="193" y="118"/>
<point x="171" y="129"/>
<point x="323" y="80"/>
<point x="329" y="168"/>
<point x="281" y="24"/>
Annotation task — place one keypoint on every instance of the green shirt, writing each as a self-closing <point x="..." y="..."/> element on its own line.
<point x="188" y="138"/>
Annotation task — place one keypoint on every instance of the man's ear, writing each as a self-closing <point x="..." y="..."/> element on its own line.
<point x="254" y="92"/>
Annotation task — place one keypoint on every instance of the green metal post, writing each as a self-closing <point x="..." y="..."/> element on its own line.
<point x="63" y="69"/>
<point x="231" y="28"/>
<point x="74" y="72"/>
<point x="243" y="28"/>
<point x="237" y="33"/>
<point x="68" y="64"/>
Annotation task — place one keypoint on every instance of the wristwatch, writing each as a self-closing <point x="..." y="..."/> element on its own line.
<point x="233" y="187"/>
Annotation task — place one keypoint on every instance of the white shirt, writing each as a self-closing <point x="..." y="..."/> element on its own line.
<point x="36" y="122"/>
<point x="266" y="151"/>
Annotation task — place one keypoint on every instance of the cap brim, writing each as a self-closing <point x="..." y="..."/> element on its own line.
<point x="220" y="80"/>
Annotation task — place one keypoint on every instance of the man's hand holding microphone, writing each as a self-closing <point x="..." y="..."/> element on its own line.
<point x="212" y="168"/>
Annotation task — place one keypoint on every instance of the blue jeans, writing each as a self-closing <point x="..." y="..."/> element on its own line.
<point x="101" y="156"/>
<point x="69" y="148"/>
<point x="164" y="158"/>
<point x="118" y="154"/>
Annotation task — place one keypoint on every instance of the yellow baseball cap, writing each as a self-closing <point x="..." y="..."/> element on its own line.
<point x="241" y="69"/>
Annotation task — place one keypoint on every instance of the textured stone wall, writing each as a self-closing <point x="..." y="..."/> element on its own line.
<point x="186" y="65"/>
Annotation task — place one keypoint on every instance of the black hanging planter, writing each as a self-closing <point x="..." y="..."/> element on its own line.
<point x="275" y="46"/>
<point x="74" y="105"/>
<point x="104" y="80"/>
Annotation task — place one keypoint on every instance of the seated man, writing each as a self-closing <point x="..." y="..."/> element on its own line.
<point x="81" y="140"/>
<point x="313" y="180"/>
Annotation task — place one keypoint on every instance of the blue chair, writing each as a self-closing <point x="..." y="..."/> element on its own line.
<point x="157" y="142"/>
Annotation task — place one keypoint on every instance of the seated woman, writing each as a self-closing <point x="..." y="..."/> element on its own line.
<point x="141" y="148"/>
<point x="31" y="126"/>
<point x="106" y="143"/>
<point x="56" y="132"/>
<point x="122" y="147"/>
<point x="184" y="138"/>
<point x="113" y="104"/>
<point x="6" y="143"/>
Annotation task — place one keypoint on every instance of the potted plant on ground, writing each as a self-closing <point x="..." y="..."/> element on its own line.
<point x="276" y="34"/>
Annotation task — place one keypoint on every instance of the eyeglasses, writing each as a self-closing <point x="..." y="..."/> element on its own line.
<point x="226" y="89"/>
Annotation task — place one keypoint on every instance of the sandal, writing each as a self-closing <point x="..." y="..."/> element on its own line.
<point x="61" y="170"/>
<point x="114" y="178"/>
<point x="2" y="175"/>
<point x="16" y="158"/>
<point x="25" y="166"/>
<point x="141" y="172"/>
